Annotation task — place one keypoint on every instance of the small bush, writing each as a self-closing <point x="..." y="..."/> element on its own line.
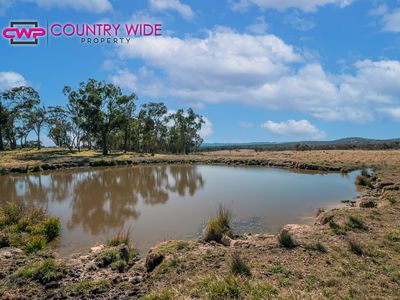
<point x="363" y="181"/>
<point x="356" y="248"/>
<point x="355" y="223"/>
<point x="52" y="228"/>
<point x="106" y="258"/>
<point x="35" y="243"/>
<point x="28" y="228"/>
<point x="279" y="269"/>
<point x="119" y="265"/>
<point x="120" y="238"/>
<point x="286" y="240"/>
<point x="337" y="229"/>
<point x="87" y="287"/>
<point x="43" y="272"/>
<point x="219" y="226"/>
<point x="238" y="266"/>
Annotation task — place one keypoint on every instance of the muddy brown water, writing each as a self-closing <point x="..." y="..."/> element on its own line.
<point x="173" y="202"/>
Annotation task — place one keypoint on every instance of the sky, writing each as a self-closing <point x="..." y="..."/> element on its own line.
<point x="257" y="70"/>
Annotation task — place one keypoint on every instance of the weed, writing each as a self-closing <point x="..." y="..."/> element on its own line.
<point x="286" y="240"/>
<point x="238" y="266"/>
<point x="219" y="226"/>
<point x="355" y="247"/>
<point x="43" y="272"/>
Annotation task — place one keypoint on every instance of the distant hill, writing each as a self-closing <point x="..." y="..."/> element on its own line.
<point x="344" y="143"/>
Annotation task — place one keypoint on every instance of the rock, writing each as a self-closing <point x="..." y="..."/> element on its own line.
<point x="368" y="203"/>
<point x="136" y="279"/>
<point x="153" y="260"/>
<point x="96" y="249"/>
<point x="124" y="252"/>
<point x="226" y="240"/>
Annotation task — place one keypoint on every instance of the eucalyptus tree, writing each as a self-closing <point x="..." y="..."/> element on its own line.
<point x="184" y="134"/>
<point x="154" y="129"/>
<point x="16" y="105"/>
<point x="101" y="106"/>
<point x="36" y="121"/>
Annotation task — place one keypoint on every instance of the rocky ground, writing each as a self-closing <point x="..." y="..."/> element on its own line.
<point x="350" y="253"/>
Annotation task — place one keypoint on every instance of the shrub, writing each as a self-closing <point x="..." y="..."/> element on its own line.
<point x="52" y="228"/>
<point x="120" y="238"/>
<point x="43" y="272"/>
<point x="119" y="265"/>
<point x="219" y="226"/>
<point x="355" y="247"/>
<point x="35" y="243"/>
<point x="286" y="240"/>
<point x="317" y="247"/>
<point x="106" y="258"/>
<point x="363" y="181"/>
<point x="355" y="223"/>
<point x="238" y="266"/>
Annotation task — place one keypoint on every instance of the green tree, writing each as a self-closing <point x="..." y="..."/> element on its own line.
<point x="17" y="104"/>
<point x="100" y="108"/>
<point x="184" y="134"/>
<point x="36" y="120"/>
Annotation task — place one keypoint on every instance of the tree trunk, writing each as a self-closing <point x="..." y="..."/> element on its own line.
<point x="104" y="144"/>
<point x="38" y="138"/>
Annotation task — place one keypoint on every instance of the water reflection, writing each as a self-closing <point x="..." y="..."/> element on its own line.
<point x="103" y="200"/>
<point x="172" y="202"/>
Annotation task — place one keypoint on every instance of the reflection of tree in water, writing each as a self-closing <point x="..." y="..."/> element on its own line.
<point x="102" y="200"/>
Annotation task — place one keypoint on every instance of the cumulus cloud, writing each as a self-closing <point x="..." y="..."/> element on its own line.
<point x="207" y="129"/>
<point x="183" y="9"/>
<point x="260" y="26"/>
<point x="125" y="79"/>
<point x="11" y="79"/>
<point x="263" y="71"/>
<point x="304" y="5"/>
<point x="391" y="21"/>
<point x="96" y="6"/>
<point x="291" y="128"/>
<point x="391" y="112"/>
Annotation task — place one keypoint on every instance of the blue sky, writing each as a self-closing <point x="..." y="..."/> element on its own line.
<point x="258" y="70"/>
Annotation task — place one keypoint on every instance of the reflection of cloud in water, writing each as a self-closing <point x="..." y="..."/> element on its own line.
<point x="101" y="200"/>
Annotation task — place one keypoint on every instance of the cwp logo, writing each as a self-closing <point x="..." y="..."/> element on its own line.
<point x="23" y="32"/>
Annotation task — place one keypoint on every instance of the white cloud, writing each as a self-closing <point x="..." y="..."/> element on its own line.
<point x="260" y="26"/>
<point x="391" y="21"/>
<point x="183" y="9"/>
<point x="262" y="71"/>
<point x="392" y="112"/>
<point x="207" y="129"/>
<point x="96" y="6"/>
<point x="9" y="80"/>
<point x="125" y="79"/>
<point x="304" y="5"/>
<point x="292" y="128"/>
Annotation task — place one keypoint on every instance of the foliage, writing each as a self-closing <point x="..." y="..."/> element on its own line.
<point x="219" y="226"/>
<point x="44" y="272"/>
<point x="27" y="228"/>
<point x="286" y="240"/>
<point x="238" y="266"/>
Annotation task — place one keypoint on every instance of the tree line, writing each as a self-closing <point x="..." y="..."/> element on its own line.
<point x="97" y="116"/>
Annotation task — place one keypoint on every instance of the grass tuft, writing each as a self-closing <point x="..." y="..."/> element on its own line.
<point x="356" y="248"/>
<point x="219" y="226"/>
<point x="120" y="238"/>
<point x="286" y="240"/>
<point x="238" y="266"/>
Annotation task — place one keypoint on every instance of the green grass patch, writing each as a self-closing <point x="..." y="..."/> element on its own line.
<point x="43" y="272"/>
<point x="238" y="266"/>
<point x="27" y="228"/>
<point x="219" y="226"/>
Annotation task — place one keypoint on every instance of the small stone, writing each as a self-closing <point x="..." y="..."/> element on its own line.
<point x="153" y="260"/>
<point x="226" y="240"/>
<point x="136" y="279"/>
<point x="96" y="249"/>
